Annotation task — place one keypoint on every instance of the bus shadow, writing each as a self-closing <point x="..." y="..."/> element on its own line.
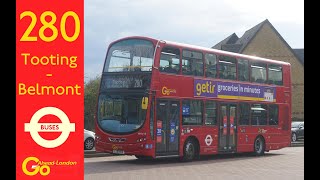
<point x="202" y="160"/>
<point x="137" y="164"/>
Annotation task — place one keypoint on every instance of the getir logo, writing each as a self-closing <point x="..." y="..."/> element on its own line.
<point x="43" y="169"/>
<point x="205" y="87"/>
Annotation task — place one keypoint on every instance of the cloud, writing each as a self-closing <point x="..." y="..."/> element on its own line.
<point x="202" y="22"/>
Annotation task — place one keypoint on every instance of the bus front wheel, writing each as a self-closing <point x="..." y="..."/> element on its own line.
<point x="189" y="150"/>
<point x="143" y="157"/>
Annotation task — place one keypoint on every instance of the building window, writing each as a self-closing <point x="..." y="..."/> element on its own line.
<point x="227" y="67"/>
<point x="244" y="114"/>
<point x="258" y="72"/>
<point x="273" y="114"/>
<point x="211" y="65"/>
<point x="259" y="114"/>
<point x="169" y="60"/>
<point x="275" y="74"/>
<point x="192" y="112"/>
<point x="243" y="70"/>
<point x="192" y="63"/>
<point x="211" y="113"/>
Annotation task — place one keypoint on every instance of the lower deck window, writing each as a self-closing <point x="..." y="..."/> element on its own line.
<point x="192" y="112"/>
<point x="259" y="114"/>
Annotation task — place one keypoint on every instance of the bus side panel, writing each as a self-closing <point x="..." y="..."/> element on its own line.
<point x="285" y="119"/>
<point x="273" y="138"/>
<point x="207" y="136"/>
<point x="286" y="76"/>
<point x="248" y="134"/>
<point x="244" y="142"/>
<point x="276" y="137"/>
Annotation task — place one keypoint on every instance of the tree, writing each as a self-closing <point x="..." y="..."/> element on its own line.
<point x="91" y="89"/>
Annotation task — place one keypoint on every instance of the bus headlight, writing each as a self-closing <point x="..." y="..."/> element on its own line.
<point x="141" y="139"/>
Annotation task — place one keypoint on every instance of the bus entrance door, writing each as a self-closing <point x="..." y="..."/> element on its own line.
<point x="167" y="128"/>
<point x="228" y="127"/>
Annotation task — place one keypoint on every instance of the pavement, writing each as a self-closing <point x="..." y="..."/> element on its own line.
<point x="92" y="153"/>
<point x="298" y="143"/>
<point x="282" y="164"/>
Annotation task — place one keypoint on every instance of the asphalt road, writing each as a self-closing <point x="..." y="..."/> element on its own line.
<point x="287" y="163"/>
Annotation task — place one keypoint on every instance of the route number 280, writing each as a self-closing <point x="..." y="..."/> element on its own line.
<point x="50" y="25"/>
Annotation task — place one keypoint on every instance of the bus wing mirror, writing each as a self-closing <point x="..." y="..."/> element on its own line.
<point x="144" y="103"/>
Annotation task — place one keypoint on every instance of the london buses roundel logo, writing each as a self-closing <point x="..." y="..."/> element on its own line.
<point x="34" y="127"/>
<point x="208" y="140"/>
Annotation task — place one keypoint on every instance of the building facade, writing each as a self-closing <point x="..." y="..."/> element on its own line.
<point x="264" y="40"/>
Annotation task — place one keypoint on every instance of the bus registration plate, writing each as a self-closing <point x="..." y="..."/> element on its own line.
<point x="118" y="151"/>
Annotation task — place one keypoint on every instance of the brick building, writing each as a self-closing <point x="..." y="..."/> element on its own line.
<point x="264" y="40"/>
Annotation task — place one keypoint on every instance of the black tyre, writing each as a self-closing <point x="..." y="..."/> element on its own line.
<point x="143" y="157"/>
<point x="259" y="146"/>
<point x="189" y="150"/>
<point x="89" y="143"/>
<point x="294" y="137"/>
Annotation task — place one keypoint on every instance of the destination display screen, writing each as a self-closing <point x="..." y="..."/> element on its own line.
<point x="127" y="81"/>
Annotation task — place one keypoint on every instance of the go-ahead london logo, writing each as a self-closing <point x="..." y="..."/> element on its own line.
<point x="34" y="127"/>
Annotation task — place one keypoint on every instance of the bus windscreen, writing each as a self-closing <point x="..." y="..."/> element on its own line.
<point x="130" y="55"/>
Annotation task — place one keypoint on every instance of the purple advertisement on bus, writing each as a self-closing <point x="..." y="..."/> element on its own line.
<point x="230" y="90"/>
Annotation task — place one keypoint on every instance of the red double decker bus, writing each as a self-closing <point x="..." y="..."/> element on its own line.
<point x="159" y="98"/>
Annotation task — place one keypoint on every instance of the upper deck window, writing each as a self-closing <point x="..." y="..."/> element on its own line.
<point x="130" y="55"/>
<point x="227" y="67"/>
<point x="211" y="65"/>
<point x="258" y="72"/>
<point x="243" y="70"/>
<point x="170" y="60"/>
<point x="275" y="74"/>
<point x="192" y="63"/>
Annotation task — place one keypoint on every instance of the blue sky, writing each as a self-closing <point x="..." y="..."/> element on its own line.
<point x="201" y="22"/>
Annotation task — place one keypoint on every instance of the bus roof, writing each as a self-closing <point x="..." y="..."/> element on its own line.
<point x="201" y="48"/>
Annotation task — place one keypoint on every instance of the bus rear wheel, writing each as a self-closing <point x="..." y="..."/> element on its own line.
<point x="259" y="146"/>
